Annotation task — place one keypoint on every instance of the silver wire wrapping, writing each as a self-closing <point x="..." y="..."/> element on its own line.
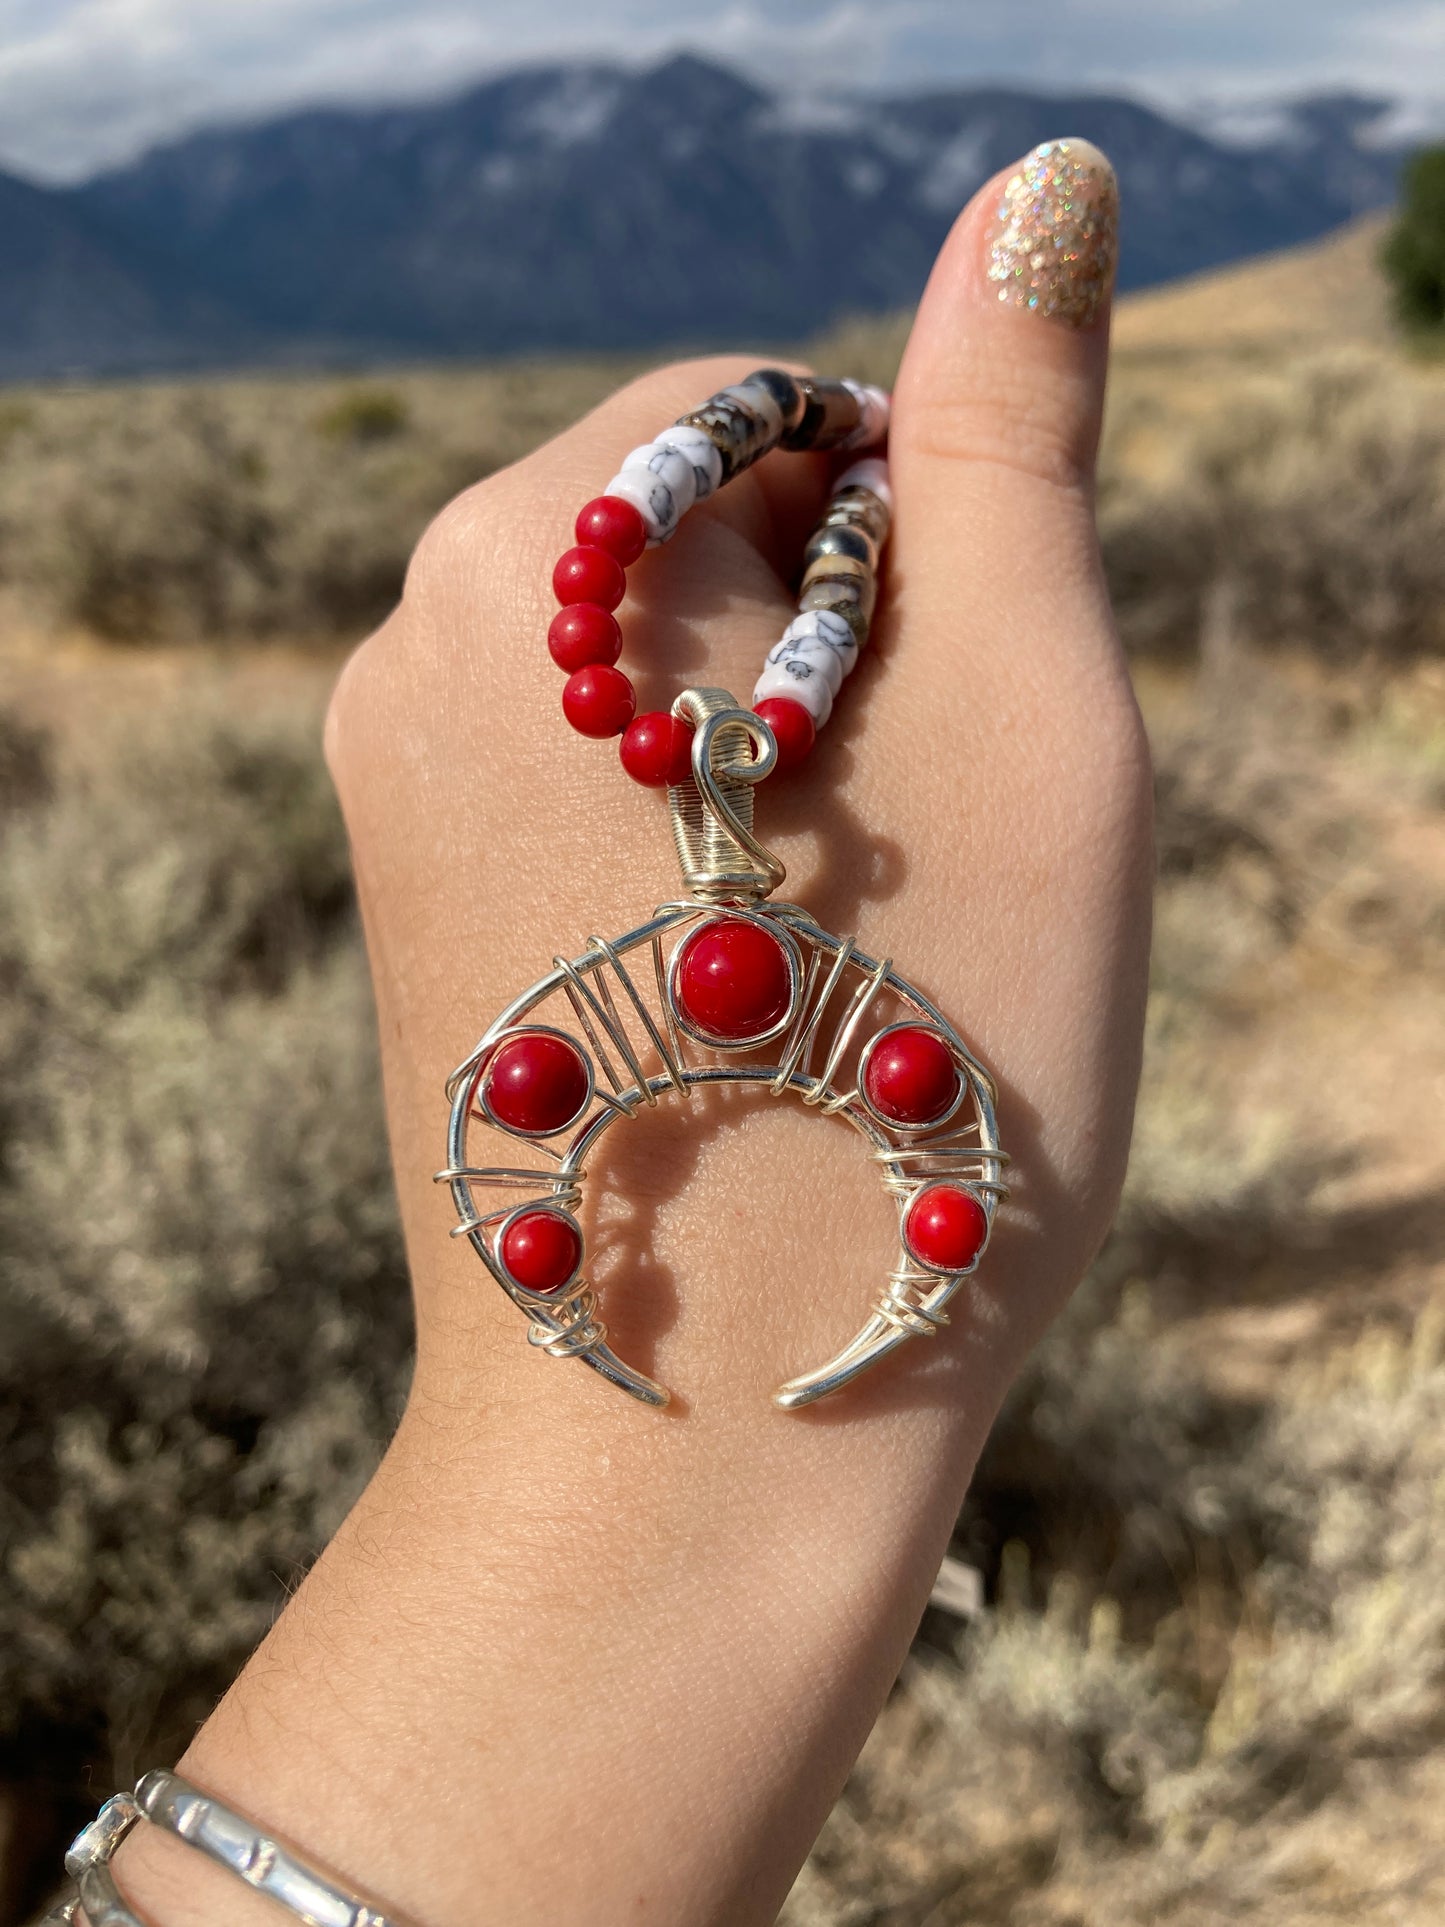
<point x="624" y="1027"/>
<point x="712" y="813"/>
<point x="626" y="1023"/>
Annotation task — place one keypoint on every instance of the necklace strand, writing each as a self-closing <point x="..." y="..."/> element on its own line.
<point x="643" y="506"/>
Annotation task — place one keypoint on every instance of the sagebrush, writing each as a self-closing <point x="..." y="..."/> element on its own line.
<point x="1209" y="1681"/>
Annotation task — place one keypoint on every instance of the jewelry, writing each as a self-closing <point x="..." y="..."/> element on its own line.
<point x="171" y="1803"/>
<point x="723" y="986"/>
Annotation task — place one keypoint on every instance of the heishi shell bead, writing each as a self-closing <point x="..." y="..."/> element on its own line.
<point x="911" y="1077"/>
<point x="657" y="749"/>
<point x="792" y="728"/>
<point x="835" y="565"/>
<point x="875" y="406"/>
<point x="732" y="980"/>
<point x="847" y="597"/>
<point x="845" y="538"/>
<point x="760" y="402"/>
<point x="784" y="390"/>
<point x="871" y="473"/>
<point x="738" y="434"/>
<point x="589" y="574"/>
<point x="536" y="1083"/>
<point x="945" y="1227"/>
<point x="831" y="415"/>
<point x="583" y="634"/>
<point x="541" y="1251"/>
<point x="796" y="681"/>
<point x="607" y="522"/>
<point x="598" y="701"/>
<point x="858" y="508"/>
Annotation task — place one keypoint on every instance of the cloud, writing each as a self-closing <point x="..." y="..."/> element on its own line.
<point x="84" y="83"/>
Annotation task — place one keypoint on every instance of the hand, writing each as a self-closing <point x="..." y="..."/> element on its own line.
<point x="570" y="1659"/>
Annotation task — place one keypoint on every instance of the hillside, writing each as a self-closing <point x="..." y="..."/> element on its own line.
<point x="1204" y="1684"/>
<point x="590" y="208"/>
<point x="1328" y="293"/>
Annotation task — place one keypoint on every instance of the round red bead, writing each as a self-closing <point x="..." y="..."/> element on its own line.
<point x="584" y="633"/>
<point x="792" y="728"/>
<point x="541" y="1250"/>
<point x="612" y="524"/>
<point x="945" y="1227"/>
<point x="911" y="1076"/>
<point x="598" y="700"/>
<point x="657" y="749"/>
<point x="536" y="1083"/>
<point x="732" y="981"/>
<point x="589" y="574"/>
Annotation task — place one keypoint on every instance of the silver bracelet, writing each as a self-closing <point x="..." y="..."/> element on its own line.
<point x="169" y="1802"/>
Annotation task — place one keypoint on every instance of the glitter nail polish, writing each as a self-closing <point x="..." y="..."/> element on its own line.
<point x="1055" y="236"/>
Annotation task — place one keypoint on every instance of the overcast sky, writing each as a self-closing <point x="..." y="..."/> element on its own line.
<point x="87" y="82"/>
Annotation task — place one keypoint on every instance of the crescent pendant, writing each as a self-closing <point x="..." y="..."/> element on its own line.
<point x="720" y="988"/>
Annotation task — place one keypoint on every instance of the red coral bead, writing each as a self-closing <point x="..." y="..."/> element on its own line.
<point x="582" y="634"/>
<point x="732" y="981"/>
<point x="612" y="524"/>
<point x="793" y="729"/>
<point x="945" y="1227"/>
<point x="911" y="1076"/>
<point x="541" y="1250"/>
<point x="598" y="701"/>
<point x="657" y="749"/>
<point x="536" y="1083"/>
<point x="589" y="574"/>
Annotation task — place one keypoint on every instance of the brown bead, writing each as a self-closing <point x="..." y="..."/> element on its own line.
<point x="860" y="506"/>
<point x="836" y="565"/>
<point x="831" y="414"/>
<point x="846" y="596"/>
<point x="841" y="540"/>
<point x="785" y="390"/>
<point x="738" y="435"/>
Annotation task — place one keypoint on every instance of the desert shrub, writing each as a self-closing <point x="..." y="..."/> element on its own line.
<point x="1413" y="255"/>
<point x="24" y="763"/>
<point x="193" y="515"/>
<point x="204" y="1299"/>
<point x="1310" y="513"/>
<point x="1046" y="1769"/>
<point x="364" y="415"/>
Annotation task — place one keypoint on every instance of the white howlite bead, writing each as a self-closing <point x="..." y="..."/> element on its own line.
<point x="819" y="659"/>
<point x="871" y="473"/>
<point x="651" y="497"/>
<point x="702" y="451"/>
<point x="823" y="627"/>
<point x="671" y="467"/>
<point x="800" y="683"/>
<point x="875" y="408"/>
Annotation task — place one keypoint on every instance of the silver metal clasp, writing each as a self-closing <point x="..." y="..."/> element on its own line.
<point x="712" y="813"/>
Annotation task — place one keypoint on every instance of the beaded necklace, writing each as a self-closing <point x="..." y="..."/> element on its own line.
<point x="723" y="986"/>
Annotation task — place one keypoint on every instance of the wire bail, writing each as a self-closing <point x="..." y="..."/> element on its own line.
<point x="712" y="812"/>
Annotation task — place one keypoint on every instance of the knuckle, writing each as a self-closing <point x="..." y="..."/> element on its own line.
<point x="358" y="700"/>
<point x="347" y="702"/>
<point x="451" y="539"/>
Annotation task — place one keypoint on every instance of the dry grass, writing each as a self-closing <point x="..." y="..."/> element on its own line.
<point x="1209" y="1682"/>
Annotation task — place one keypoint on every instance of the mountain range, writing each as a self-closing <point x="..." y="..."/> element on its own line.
<point x="595" y="207"/>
